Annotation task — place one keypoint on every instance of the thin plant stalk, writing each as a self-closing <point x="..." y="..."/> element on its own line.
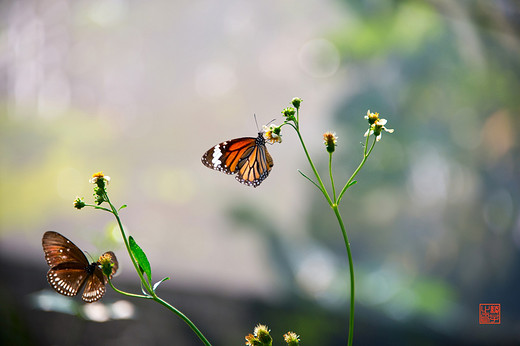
<point x="134" y="262"/>
<point x="151" y="293"/>
<point x="333" y="203"/>
<point x="365" y="157"/>
<point x="316" y="174"/>
<point x="332" y="178"/>
<point x="351" y="270"/>
<point x="133" y="295"/>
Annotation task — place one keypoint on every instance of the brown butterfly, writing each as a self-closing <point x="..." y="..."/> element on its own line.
<point x="247" y="157"/>
<point x="70" y="269"/>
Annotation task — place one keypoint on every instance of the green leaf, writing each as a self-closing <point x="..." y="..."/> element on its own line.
<point x="141" y="258"/>
<point x="159" y="282"/>
<point x="122" y="207"/>
<point x="352" y="183"/>
<point x="309" y="179"/>
<point x="143" y="289"/>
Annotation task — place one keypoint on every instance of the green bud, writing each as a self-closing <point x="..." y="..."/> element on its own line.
<point x="291" y="338"/>
<point x="296" y="102"/>
<point x="289" y="112"/>
<point x="261" y="332"/>
<point x="107" y="268"/>
<point x="79" y="203"/>
<point x="265" y="338"/>
<point x="251" y="340"/>
<point x="330" y="140"/>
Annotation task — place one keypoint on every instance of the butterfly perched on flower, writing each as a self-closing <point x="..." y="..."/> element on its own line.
<point x="247" y="157"/>
<point x="70" y="269"/>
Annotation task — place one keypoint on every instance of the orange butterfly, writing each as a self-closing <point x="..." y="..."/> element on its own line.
<point x="247" y="157"/>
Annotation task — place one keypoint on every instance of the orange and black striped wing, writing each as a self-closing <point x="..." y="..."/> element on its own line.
<point x="224" y="157"/>
<point x="247" y="157"/>
<point x="255" y="167"/>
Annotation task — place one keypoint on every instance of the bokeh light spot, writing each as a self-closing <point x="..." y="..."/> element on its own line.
<point x="319" y="58"/>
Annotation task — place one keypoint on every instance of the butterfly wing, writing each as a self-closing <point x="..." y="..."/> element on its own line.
<point x="95" y="286"/>
<point x="247" y="157"/>
<point x="67" y="278"/>
<point x="224" y="157"/>
<point x="59" y="249"/>
<point x="254" y="167"/>
<point x="70" y="269"/>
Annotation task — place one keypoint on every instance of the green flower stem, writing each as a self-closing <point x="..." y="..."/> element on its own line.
<point x="98" y="207"/>
<point x="126" y="293"/>
<point x="136" y="266"/>
<point x="351" y="269"/>
<point x="334" y="205"/>
<point x="331" y="178"/>
<point x="365" y="157"/>
<point x="183" y="317"/>
<point x="167" y="305"/>
<point x="150" y="290"/>
<point x="316" y="174"/>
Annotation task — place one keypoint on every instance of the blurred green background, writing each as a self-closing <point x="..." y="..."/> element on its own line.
<point x="141" y="89"/>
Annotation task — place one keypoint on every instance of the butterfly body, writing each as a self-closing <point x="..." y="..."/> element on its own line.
<point x="70" y="269"/>
<point x="247" y="157"/>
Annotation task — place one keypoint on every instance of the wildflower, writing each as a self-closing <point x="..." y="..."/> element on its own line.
<point x="100" y="179"/>
<point x="272" y="134"/>
<point x="330" y="139"/>
<point x="251" y="340"/>
<point x="372" y="117"/>
<point x="262" y="333"/>
<point x="377" y="128"/>
<point x="291" y="338"/>
<point x="108" y="263"/>
<point x="296" y="102"/>
<point x="79" y="203"/>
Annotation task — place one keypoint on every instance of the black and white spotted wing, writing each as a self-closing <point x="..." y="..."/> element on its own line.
<point x="70" y="269"/>
<point x="247" y="157"/>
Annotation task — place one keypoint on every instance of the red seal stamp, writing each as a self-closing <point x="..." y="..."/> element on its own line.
<point x="489" y="314"/>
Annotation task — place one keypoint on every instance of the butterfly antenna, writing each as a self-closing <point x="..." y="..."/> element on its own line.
<point x="89" y="255"/>
<point x="270" y="122"/>
<point x="256" y="122"/>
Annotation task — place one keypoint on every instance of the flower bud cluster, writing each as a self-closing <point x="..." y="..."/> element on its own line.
<point x="101" y="181"/>
<point x="100" y="190"/>
<point x="261" y="337"/>
<point x="289" y="113"/>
